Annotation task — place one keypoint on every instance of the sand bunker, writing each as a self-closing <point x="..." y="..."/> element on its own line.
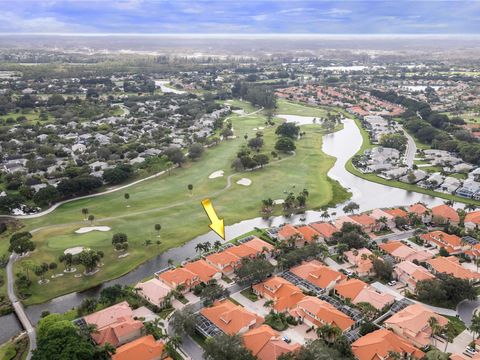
<point x="261" y="128"/>
<point x="74" y="250"/>
<point x="216" y="174"/>
<point x="278" y="201"/>
<point x="87" y="229"/>
<point x="244" y="182"/>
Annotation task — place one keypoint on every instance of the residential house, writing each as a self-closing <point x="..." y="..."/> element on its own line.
<point x="179" y="277"/>
<point x="267" y="344"/>
<point x="451" y="265"/>
<point x="315" y="312"/>
<point x="282" y="292"/>
<point x="154" y="291"/>
<point x="361" y="260"/>
<point x="358" y="291"/>
<point x="396" y="213"/>
<point x="443" y="214"/>
<point x="261" y="247"/>
<point x="224" y="261"/>
<point x="115" y="325"/>
<point x="452" y="243"/>
<point x="324" y="229"/>
<point x="401" y="252"/>
<point x="203" y="270"/>
<point x="379" y="214"/>
<point x="411" y="324"/>
<point x="377" y="345"/>
<point x="309" y="234"/>
<point x="144" y="348"/>
<point x="318" y="274"/>
<point x="410" y="274"/>
<point x="366" y="222"/>
<point x="472" y="220"/>
<point x="289" y="232"/>
<point x="231" y="318"/>
<point x="421" y="211"/>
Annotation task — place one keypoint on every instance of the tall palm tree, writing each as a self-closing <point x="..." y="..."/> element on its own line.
<point x="85" y="213"/>
<point x="434" y="326"/>
<point x="450" y="334"/>
<point x="217" y="244"/>
<point x="199" y="248"/>
<point x="475" y="324"/>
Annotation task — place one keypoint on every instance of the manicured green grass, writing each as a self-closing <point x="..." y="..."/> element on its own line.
<point x="249" y="294"/>
<point x="458" y="324"/>
<point x="294" y="108"/>
<point x="166" y="200"/>
<point x="32" y="118"/>
<point x="460" y="176"/>
<point x="14" y="349"/>
<point x="394" y="183"/>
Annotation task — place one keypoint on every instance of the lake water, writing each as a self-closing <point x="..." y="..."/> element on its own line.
<point x="342" y="144"/>
<point x="162" y="84"/>
<point x="299" y="120"/>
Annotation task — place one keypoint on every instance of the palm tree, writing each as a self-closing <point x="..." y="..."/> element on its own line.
<point x="126" y="196"/>
<point x="190" y="188"/>
<point x="434" y="326"/>
<point x="475" y="324"/>
<point x="199" y="248"/>
<point x="158" y="227"/>
<point x="91" y="218"/>
<point x="329" y="333"/>
<point x="325" y="215"/>
<point x="267" y="205"/>
<point x="207" y="246"/>
<point x="450" y="334"/>
<point x="394" y="355"/>
<point x="217" y="244"/>
<point x="85" y="213"/>
<point x="470" y="207"/>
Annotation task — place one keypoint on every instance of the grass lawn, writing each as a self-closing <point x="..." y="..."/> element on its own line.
<point x="285" y="107"/>
<point x="249" y="294"/>
<point x="460" y="176"/>
<point x="166" y="200"/>
<point x="457" y="323"/>
<point x="17" y="349"/>
<point x="31" y="116"/>
<point x="394" y="183"/>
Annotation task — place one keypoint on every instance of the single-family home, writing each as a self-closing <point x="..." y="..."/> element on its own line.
<point x="224" y="261"/>
<point x="420" y="210"/>
<point x="472" y="220"/>
<point x="361" y="260"/>
<point x="231" y="318"/>
<point x="410" y="274"/>
<point x="267" y="344"/>
<point x="203" y="270"/>
<point x="443" y="214"/>
<point x="309" y="234"/>
<point x="411" y="324"/>
<point x="379" y="215"/>
<point x="318" y="274"/>
<point x="452" y="243"/>
<point x="282" y="292"/>
<point x="261" y="247"/>
<point x="115" y="325"/>
<point x="378" y="344"/>
<point x="358" y="291"/>
<point x="451" y="265"/>
<point x="179" y="277"/>
<point x="288" y="232"/>
<point x="144" y="348"/>
<point x="315" y="312"/>
<point x="324" y="229"/>
<point x="154" y="291"/>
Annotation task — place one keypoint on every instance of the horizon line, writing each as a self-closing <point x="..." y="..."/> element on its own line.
<point x="251" y="35"/>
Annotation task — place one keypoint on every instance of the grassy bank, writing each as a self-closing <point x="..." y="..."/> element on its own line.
<point x="166" y="200"/>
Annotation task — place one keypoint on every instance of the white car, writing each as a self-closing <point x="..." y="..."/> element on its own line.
<point x="392" y="283"/>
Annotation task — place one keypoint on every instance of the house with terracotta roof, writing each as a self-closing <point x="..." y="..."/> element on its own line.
<point x="318" y="274"/>
<point x="472" y="220"/>
<point x="452" y="243"/>
<point x="154" y="291"/>
<point x="443" y="214"/>
<point x="366" y="222"/>
<point x="324" y="229"/>
<point x="451" y="265"/>
<point x="315" y="312"/>
<point x="282" y="292"/>
<point x="115" y="325"/>
<point x="288" y="232"/>
<point x="242" y="251"/>
<point x="411" y="324"/>
<point x="261" y="247"/>
<point x="358" y="291"/>
<point x="423" y="213"/>
<point x="361" y="261"/>
<point x="231" y="318"/>
<point x="397" y="213"/>
<point x="224" y="261"/>
<point x="309" y="234"/>
<point x="378" y="344"/>
<point x="378" y="214"/>
<point x="179" y="277"/>
<point x="267" y="344"/>
<point x="401" y="252"/>
<point x="203" y="270"/>
<point x="410" y="274"/>
<point x="144" y="348"/>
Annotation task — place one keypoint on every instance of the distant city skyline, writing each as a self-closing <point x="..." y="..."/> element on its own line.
<point x="239" y="17"/>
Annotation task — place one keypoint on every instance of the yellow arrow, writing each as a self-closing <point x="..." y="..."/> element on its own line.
<point x="216" y="223"/>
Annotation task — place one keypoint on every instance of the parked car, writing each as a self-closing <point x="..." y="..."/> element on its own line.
<point x="286" y="339"/>
<point x="392" y="283"/>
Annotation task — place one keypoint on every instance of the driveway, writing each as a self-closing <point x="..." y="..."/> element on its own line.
<point x="459" y="344"/>
<point x="257" y="307"/>
<point x="299" y="334"/>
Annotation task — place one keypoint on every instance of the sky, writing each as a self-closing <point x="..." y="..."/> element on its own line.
<point x="239" y="17"/>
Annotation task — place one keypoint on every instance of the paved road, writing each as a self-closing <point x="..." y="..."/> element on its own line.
<point x="466" y="309"/>
<point x="18" y="307"/>
<point x="410" y="151"/>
